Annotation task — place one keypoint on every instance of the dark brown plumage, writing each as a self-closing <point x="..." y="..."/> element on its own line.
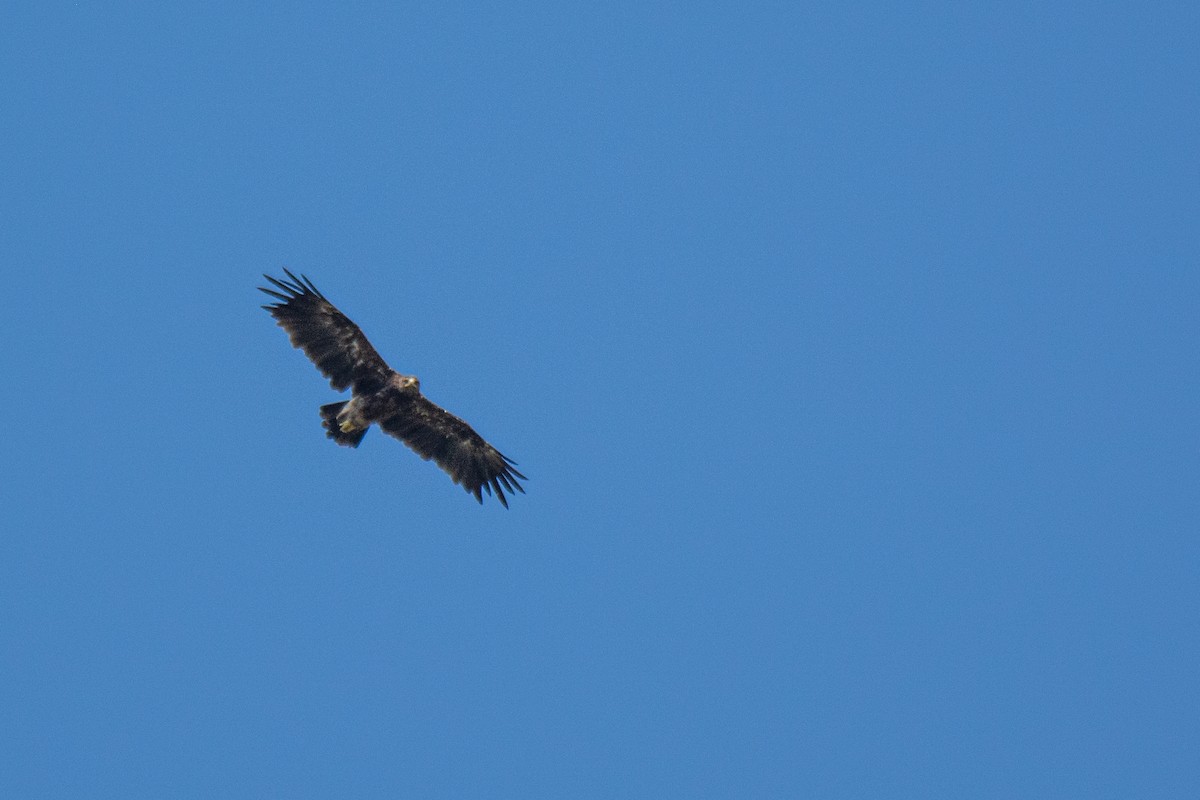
<point x="383" y="396"/>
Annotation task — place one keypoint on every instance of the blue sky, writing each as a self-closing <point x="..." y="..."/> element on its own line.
<point x="850" y="350"/>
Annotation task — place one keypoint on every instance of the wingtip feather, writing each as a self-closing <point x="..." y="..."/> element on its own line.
<point x="291" y="290"/>
<point x="311" y="286"/>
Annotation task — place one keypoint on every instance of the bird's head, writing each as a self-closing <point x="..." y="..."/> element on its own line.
<point x="410" y="383"/>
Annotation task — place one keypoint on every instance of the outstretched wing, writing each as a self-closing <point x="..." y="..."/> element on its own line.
<point x="432" y="432"/>
<point x="327" y="336"/>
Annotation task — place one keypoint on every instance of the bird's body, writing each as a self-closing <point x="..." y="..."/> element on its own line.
<point x="381" y="396"/>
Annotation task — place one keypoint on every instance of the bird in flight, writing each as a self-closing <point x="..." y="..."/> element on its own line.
<point x="382" y="396"/>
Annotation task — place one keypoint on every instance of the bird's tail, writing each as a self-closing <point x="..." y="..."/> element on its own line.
<point x="333" y="430"/>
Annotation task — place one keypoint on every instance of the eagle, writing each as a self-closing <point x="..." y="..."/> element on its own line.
<point x="382" y="396"/>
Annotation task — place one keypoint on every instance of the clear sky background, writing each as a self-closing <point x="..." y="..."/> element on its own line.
<point x="850" y="350"/>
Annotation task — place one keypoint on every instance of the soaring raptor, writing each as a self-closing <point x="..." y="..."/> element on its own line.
<point x="383" y="396"/>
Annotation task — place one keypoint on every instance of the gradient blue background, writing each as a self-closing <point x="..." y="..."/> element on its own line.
<point x="851" y="350"/>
